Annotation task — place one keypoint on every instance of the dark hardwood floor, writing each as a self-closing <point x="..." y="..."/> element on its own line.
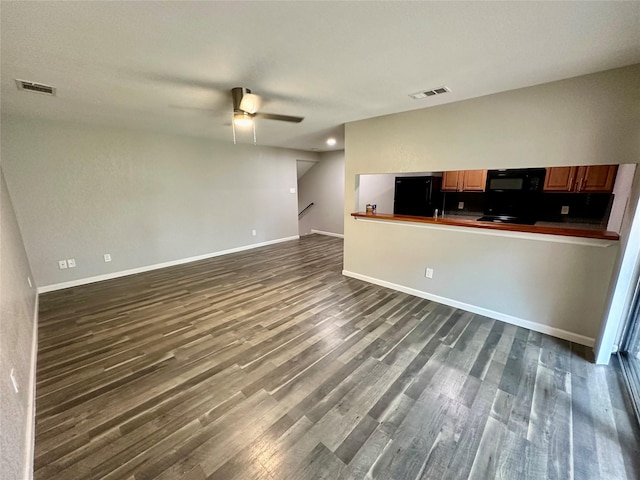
<point x="269" y="364"/>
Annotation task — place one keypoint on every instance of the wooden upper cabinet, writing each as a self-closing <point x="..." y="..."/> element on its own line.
<point x="450" y="181"/>
<point x="597" y="178"/>
<point x="591" y="179"/>
<point x="474" y="181"/>
<point x="464" y="181"/>
<point x="560" y="179"/>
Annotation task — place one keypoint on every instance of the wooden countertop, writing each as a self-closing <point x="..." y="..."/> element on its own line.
<point x="547" y="229"/>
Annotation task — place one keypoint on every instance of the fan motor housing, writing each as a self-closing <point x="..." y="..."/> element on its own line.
<point x="237" y="93"/>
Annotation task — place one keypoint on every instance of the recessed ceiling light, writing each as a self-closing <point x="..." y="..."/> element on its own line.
<point x="331" y="141"/>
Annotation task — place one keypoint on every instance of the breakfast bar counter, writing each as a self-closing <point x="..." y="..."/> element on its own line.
<point x="547" y="228"/>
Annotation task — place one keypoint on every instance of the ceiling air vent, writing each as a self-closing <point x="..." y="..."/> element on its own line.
<point x="35" y="87"/>
<point x="429" y="93"/>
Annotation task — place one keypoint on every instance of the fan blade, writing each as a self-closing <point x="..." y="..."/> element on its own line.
<point x="282" y="118"/>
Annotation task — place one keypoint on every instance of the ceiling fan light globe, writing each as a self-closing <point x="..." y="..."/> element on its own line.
<point x="242" y="120"/>
<point x="250" y="103"/>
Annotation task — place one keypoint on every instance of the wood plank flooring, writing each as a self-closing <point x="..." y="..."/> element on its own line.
<point x="269" y="364"/>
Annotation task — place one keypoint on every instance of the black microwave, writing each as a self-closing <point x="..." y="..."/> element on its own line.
<point x="516" y="179"/>
<point x="513" y="195"/>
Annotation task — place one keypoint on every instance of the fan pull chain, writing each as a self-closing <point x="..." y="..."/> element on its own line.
<point x="233" y="127"/>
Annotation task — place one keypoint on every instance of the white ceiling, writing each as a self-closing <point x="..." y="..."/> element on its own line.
<point x="131" y="63"/>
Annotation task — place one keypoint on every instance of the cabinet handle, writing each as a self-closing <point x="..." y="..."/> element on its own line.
<point x="581" y="183"/>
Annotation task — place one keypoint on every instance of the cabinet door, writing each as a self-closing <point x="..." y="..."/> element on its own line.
<point x="560" y="179"/>
<point x="474" y="180"/>
<point x="597" y="178"/>
<point x="450" y="181"/>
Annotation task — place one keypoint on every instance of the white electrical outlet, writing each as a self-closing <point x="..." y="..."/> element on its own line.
<point x="14" y="381"/>
<point x="254" y="233"/>
<point x="292" y="190"/>
<point x="29" y="282"/>
<point x="564" y="210"/>
<point x="428" y="273"/>
<point x="460" y="205"/>
<point x="62" y="264"/>
<point x="107" y="257"/>
<point x="71" y="262"/>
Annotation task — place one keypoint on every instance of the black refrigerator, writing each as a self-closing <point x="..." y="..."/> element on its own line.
<point x="418" y="196"/>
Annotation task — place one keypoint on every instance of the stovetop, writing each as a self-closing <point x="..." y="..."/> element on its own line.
<point x="507" y="219"/>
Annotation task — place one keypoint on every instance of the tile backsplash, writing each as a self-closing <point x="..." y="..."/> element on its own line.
<point x="473" y="203"/>
<point x="593" y="208"/>
<point x="588" y="208"/>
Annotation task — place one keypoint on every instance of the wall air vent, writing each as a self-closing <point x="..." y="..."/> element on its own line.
<point x="429" y="93"/>
<point x="35" y="87"/>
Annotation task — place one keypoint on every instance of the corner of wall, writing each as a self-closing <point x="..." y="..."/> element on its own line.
<point x="30" y="439"/>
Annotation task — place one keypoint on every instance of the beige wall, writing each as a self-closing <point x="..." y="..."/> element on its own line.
<point x="81" y="191"/>
<point x="17" y="342"/>
<point x="580" y="121"/>
<point x="560" y="288"/>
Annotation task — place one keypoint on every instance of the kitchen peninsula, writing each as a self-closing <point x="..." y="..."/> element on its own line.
<point x="547" y="228"/>
<point x="584" y="201"/>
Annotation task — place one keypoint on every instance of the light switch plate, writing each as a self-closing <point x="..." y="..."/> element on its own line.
<point x="564" y="210"/>
<point x="460" y="205"/>
<point x="292" y="190"/>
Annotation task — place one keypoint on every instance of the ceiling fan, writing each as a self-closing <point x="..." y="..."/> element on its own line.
<point x="246" y="106"/>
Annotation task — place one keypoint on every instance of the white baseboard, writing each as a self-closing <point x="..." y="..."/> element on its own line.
<point x="31" y="402"/>
<point x="320" y="232"/>
<point x="519" y="322"/>
<point x="133" y="271"/>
